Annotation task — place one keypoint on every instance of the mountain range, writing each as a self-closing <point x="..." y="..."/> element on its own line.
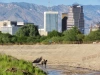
<point x="33" y="13"/>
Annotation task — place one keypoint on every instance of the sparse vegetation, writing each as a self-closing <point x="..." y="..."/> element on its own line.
<point x="12" y="66"/>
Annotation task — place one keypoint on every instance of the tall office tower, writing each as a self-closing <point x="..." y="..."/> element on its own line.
<point x="50" y="21"/>
<point x="64" y="21"/>
<point x="76" y="17"/>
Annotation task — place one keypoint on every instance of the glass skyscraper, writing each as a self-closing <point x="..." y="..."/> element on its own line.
<point x="50" y="21"/>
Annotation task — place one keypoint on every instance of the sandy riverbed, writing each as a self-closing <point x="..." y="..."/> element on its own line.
<point x="77" y="55"/>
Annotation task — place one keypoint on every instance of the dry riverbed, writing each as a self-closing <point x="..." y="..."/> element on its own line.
<point x="86" y="56"/>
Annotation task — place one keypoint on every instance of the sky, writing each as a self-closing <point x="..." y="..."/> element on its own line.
<point x="56" y="2"/>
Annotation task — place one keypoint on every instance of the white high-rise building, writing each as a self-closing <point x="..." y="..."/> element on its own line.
<point x="76" y="17"/>
<point x="50" y="21"/>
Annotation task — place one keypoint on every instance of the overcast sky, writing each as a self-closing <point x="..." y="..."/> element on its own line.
<point x="56" y="2"/>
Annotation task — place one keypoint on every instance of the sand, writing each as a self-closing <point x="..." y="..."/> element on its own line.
<point x="77" y="55"/>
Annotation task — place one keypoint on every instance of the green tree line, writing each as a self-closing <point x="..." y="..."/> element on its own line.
<point x="28" y="34"/>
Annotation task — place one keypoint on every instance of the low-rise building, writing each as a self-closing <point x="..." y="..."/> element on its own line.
<point x="95" y="27"/>
<point x="10" y="27"/>
<point x="20" y="23"/>
<point x="42" y="32"/>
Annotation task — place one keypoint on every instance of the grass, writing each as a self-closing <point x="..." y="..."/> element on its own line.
<point x="12" y="66"/>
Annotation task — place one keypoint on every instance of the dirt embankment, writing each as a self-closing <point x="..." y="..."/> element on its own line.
<point x="78" y="55"/>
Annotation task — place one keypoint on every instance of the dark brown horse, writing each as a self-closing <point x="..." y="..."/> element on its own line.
<point x="37" y="60"/>
<point x="44" y="62"/>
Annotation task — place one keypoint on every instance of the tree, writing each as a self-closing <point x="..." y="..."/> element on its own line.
<point x="33" y="39"/>
<point x="43" y="38"/>
<point x="93" y="36"/>
<point x="28" y="30"/>
<point x="21" y="39"/>
<point x="56" y="39"/>
<point x="72" y="35"/>
<point x="5" y="38"/>
<point x="14" y="39"/>
<point x="80" y="38"/>
<point x="54" y="34"/>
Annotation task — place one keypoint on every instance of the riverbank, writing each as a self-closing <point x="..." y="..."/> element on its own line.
<point x="13" y="66"/>
<point x="77" y="55"/>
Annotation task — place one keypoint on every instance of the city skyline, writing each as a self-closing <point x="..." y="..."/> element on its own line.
<point x="53" y="2"/>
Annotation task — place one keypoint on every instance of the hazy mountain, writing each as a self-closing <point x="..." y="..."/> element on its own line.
<point x="34" y="13"/>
